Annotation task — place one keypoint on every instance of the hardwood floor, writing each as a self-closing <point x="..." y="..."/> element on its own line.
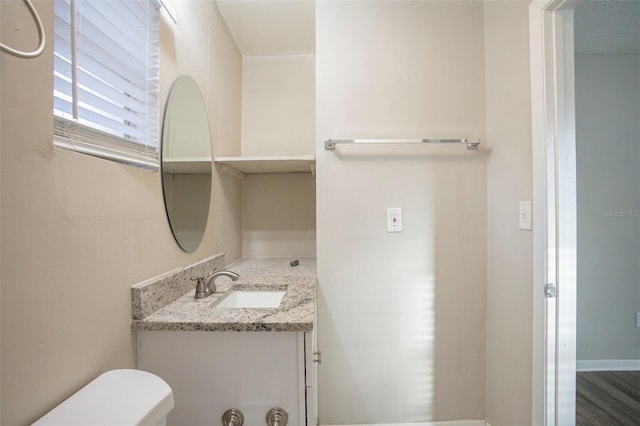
<point x="608" y="398"/>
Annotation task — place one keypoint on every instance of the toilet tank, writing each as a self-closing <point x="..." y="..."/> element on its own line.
<point x="117" y="397"/>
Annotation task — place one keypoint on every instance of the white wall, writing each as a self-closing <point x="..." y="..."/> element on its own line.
<point x="509" y="180"/>
<point x="78" y="232"/>
<point x="278" y="105"/>
<point x="401" y="316"/>
<point x="608" y="149"/>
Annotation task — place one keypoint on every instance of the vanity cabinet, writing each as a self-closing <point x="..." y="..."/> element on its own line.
<point x="212" y="371"/>
<point x="216" y="358"/>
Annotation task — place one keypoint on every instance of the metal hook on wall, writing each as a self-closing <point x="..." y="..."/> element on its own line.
<point x="41" y="35"/>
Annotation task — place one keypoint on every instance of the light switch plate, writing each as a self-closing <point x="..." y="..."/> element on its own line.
<point x="524" y="218"/>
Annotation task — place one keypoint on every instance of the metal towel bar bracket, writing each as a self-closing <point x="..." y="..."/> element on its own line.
<point x="330" y="144"/>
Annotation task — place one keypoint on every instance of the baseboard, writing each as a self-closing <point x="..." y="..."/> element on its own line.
<point x="608" y="365"/>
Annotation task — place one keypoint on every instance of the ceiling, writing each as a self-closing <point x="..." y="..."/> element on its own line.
<point x="607" y="27"/>
<point x="287" y="27"/>
<point x="271" y="27"/>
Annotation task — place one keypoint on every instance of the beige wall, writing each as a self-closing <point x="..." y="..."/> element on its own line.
<point x="401" y="316"/>
<point x="70" y="252"/>
<point x="78" y="232"/>
<point x="279" y="215"/>
<point x="278" y="118"/>
<point x="278" y="105"/>
<point x="509" y="255"/>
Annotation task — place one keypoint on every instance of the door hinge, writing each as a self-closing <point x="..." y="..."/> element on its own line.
<point x="550" y="290"/>
<point x="317" y="357"/>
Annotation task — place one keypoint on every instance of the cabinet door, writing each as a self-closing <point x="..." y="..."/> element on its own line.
<point x="210" y="372"/>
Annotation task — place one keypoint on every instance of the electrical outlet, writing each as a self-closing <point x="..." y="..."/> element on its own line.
<point x="394" y="219"/>
<point x="638" y="319"/>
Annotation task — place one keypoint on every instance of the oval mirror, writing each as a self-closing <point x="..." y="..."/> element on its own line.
<point x="186" y="163"/>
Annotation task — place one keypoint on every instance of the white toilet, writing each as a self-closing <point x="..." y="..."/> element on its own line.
<point x="116" y="398"/>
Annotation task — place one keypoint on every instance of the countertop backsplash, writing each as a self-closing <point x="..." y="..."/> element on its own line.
<point x="155" y="293"/>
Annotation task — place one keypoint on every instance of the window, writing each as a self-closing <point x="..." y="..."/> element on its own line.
<point x="106" y="79"/>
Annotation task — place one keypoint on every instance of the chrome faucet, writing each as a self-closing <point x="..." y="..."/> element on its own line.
<point x="207" y="286"/>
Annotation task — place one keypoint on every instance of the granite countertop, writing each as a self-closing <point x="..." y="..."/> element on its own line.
<point x="295" y="313"/>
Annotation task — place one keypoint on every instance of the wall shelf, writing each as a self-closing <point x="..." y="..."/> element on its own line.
<point x="187" y="165"/>
<point x="239" y="167"/>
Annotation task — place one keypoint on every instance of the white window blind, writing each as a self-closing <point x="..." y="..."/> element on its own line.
<point x="106" y="79"/>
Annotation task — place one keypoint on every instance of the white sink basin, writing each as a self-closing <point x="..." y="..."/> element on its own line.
<point x="252" y="299"/>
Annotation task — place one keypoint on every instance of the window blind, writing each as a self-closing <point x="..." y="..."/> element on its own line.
<point x="106" y="79"/>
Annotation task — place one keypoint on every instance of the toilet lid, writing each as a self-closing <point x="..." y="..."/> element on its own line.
<point x="117" y="397"/>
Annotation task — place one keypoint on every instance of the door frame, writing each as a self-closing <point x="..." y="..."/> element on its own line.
<point x="554" y="210"/>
